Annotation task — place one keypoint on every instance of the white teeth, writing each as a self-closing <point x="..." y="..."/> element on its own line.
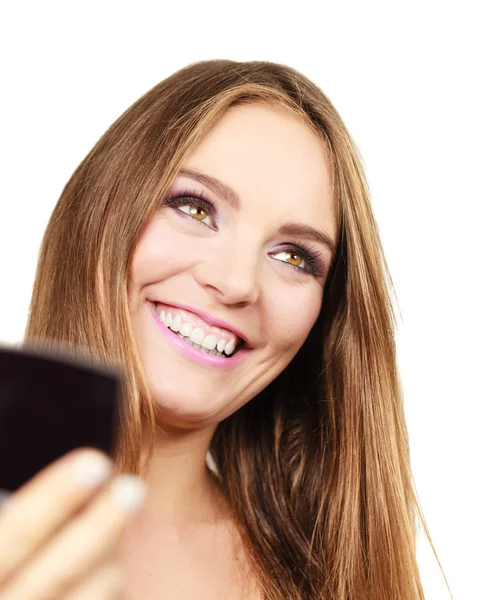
<point x="161" y="313"/>
<point x="197" y="336"/>
<point x="186" y="329"/>
<point x="176" y="324"/>
<point x="209" y="342"/>
<point x="199" y="346"/>
<point x="229" y="349"/>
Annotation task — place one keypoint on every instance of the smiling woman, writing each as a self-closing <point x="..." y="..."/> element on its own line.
<point x="219" y="241"/>
<point x="233" y="261"/>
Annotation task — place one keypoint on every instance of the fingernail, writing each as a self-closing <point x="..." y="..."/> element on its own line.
<point x="129" y="491"/>
<point x="91" y="469"/>
<point x="4" y="497"/>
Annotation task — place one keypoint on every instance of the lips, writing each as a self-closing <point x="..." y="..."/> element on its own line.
<point x="209" y="320"/>
<point x="208" y="360"/>
<point x="193" y="330"/>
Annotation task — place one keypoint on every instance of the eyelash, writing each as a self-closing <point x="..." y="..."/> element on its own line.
<point x="186" y="198"/>
<point x="309" y="254"/>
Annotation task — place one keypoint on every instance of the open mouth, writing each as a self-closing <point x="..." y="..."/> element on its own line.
<point x="212" y="340"/>
<point x="213" y="351"/>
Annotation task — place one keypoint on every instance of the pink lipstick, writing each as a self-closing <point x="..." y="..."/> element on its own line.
<point x="193" y="353"/>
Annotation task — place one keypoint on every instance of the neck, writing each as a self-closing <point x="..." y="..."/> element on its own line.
<point x="180" y="487"/>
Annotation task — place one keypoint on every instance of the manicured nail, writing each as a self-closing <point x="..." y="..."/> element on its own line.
<point x="4" y="497"/>
<point x="91" y="469"/>
<point x="129" y="491"/>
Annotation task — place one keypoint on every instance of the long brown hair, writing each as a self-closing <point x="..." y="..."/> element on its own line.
<point x="316" y="467"/>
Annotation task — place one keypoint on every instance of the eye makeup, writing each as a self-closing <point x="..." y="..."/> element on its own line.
<point x="188" y="197"/>
<point x="312" y="257"/>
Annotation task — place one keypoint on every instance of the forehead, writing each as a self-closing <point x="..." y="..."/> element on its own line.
<point x="269" y="156"/>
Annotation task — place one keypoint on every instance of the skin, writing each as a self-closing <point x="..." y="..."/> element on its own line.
<point x="238" y="272"/>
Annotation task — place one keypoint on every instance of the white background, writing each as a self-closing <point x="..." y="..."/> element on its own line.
<point x="411" y="81"/>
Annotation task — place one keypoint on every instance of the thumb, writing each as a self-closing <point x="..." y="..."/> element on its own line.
<point x="3" y="497"/>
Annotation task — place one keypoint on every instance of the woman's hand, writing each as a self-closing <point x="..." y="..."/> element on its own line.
<point x="59" y="533"/>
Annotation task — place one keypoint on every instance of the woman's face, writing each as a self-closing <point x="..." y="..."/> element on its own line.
<point x="237" y="251"/>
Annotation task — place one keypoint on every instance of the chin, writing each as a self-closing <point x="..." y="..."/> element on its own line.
<point x="183" y="408"/>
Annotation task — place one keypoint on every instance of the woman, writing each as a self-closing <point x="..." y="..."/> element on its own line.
<point x="219" y="241"/>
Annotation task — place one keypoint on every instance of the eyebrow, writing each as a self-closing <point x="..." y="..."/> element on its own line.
<point x="232" y="198"/>
<point x="308" y="233"/>
<point x="221" y="189"/>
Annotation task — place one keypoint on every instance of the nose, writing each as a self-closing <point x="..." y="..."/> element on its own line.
<point x="231" y="276"/>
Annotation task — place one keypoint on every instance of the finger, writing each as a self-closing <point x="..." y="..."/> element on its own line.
<point x="105" y="584"/>
<point x="33" y="514"/>
<point x="4" y="496"/>
<point x="82" y="546"/>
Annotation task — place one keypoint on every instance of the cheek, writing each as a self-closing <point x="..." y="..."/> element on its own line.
<point x="155" y="256"/>
<point x="292" y="317"/>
